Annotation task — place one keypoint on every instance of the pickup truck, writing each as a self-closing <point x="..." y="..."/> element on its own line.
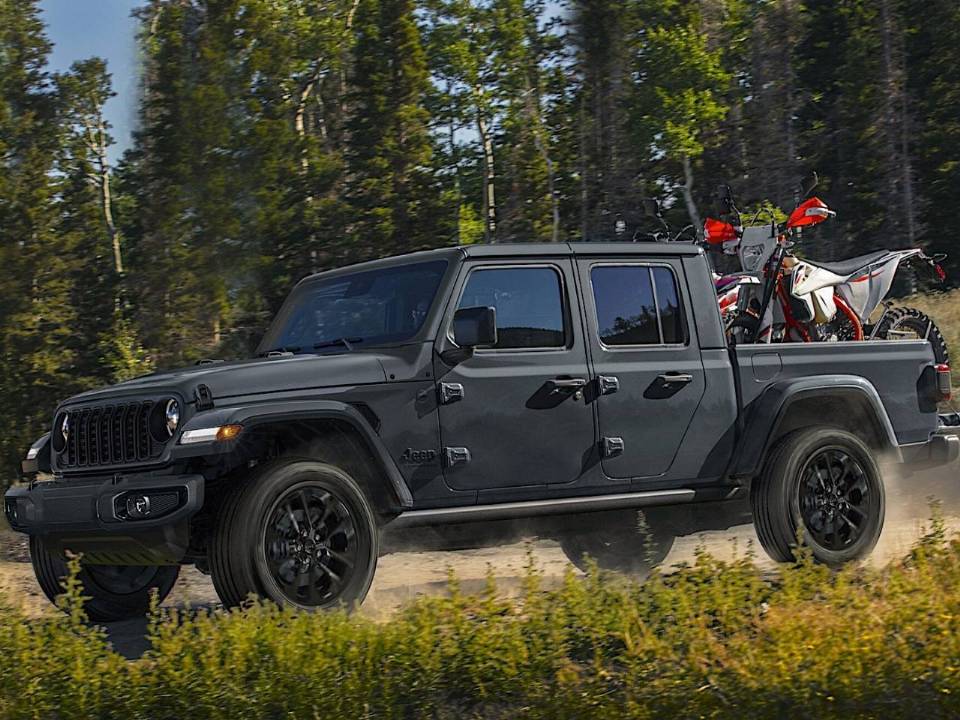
<point x="452" y="390"/>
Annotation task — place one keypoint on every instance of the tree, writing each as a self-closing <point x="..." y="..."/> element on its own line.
<point x="391" y="186"/>
<point x="36" y="315"/>
<point x="681" y="97"/>
<point x="602" y="35"/>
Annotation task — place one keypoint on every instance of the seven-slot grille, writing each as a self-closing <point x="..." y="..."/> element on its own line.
<point x="109" y="435"/>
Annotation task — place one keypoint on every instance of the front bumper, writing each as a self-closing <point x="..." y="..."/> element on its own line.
<point x="92" y="515"/>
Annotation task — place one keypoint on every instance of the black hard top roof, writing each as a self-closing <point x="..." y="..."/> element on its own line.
<point x="523" y="250"/>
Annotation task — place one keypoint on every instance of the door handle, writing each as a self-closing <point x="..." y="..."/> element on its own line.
<point x="675" y="378"/>
<point x="563" y="383"/>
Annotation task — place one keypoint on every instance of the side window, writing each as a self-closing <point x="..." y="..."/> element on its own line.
<point x="528" y="302"/>
<point x="637" y="305"/>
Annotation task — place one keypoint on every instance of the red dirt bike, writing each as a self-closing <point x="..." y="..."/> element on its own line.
<point x="791" y="299"/>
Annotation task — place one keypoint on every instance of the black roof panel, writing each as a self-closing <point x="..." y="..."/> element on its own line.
<point x="522" y="250"/>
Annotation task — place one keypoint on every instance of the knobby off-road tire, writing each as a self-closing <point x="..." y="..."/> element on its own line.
<point x="912" y="321"/>
<point x="115" y="592"/>
<point x="297" y="532"/>
<point x="822" y="486"/>
<point x="618" y="542"/>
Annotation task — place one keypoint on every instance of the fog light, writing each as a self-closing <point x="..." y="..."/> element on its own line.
<point x="138" y="506"/>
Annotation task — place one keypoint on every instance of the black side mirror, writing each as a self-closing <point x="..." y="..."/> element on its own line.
<point x="651" y="207"/>
<point x="475" y="327"/>
<point x="809" y="183"/>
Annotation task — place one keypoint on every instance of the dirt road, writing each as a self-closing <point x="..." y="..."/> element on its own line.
<point x="402" y="576"/>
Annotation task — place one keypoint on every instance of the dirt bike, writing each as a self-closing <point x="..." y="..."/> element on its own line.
<point x="802" y="300"/>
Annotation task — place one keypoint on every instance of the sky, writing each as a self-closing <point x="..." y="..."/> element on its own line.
<point x="80" y="29"/>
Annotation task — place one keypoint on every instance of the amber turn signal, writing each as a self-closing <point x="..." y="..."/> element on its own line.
<point x="228" y="432"/>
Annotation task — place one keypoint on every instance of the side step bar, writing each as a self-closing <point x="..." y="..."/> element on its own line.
<point x="530" y="508"/>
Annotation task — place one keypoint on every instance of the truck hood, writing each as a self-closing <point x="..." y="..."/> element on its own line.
<point x="254" y="376"/>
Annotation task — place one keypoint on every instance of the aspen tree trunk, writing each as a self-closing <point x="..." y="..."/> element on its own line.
<point x="489" y="175"/>
<point x="106" y="199"/>
<point x="687" y="190"/>
<point x="536" y="122"/>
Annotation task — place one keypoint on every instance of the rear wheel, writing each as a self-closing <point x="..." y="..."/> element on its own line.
<point x="823" y="487"/>
<point x="626" y="542"/>
<point x="906" y="323"/>
<point x="114" y="592"/>
<point x="298" y="532"/>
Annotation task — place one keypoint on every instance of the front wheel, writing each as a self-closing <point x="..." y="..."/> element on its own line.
<point x="299" y="533"/>
<point x="820" y="486"/>
<point x="113" y="592"/>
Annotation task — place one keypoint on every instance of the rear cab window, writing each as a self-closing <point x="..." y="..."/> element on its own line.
<point x="637" y="305"/>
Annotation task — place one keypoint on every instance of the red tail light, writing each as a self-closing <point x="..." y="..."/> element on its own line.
<point x="941" y="273"/>
<point x="944" y="383"/>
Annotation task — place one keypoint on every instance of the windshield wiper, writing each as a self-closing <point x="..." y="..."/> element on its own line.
<point x="284" y="349"/>
<point x="347" y="342"/>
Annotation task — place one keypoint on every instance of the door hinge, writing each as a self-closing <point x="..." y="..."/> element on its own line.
<point x="456" y="456"/>
<point x="612" y="446"/>
<point x="450" y="393"/>
<point x="608" y="384"/>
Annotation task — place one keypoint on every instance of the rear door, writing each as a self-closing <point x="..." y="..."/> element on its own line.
<point x="649" y="373"/>
<point x="516" y="415"/>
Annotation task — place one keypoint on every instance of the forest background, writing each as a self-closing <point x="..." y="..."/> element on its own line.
<point x="277" y="138"/>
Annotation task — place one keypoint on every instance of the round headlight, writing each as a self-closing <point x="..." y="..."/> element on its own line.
<point x="172" y="416"/>
<point x="61" y="432"/>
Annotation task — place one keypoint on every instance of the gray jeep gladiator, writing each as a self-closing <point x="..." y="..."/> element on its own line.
<point x="461" y="390"/>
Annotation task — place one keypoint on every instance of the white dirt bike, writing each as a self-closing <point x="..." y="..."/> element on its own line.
<point x="802" y="300"/>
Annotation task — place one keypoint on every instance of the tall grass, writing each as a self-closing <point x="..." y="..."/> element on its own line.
<point x="944" y="309"/>
<point x="715" y="639"/>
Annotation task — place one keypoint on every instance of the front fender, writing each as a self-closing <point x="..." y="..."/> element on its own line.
<point x="768" y="413"/>
<point x="38" y="457"/>
<point x="259" y="414"/>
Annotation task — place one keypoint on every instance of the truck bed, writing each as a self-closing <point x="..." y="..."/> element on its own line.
<point x="894" y="368"/>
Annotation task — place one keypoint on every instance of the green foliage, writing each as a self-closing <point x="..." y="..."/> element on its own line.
<point x="277" y="138"/>
<point x="711" y="639"/>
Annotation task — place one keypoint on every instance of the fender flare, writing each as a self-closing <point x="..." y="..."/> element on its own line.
<point x="766" y="414"/>
<point x="40" y="462"/>
<point x="258" y="414"/>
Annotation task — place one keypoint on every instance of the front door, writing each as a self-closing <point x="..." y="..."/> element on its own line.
<point x="650" y="376"/>
<point x="516" y="414"/>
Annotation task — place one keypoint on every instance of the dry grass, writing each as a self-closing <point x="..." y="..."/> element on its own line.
<point x="944" y="309"/>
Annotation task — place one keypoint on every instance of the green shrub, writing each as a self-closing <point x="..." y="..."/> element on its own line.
<point x="711" y="640"/>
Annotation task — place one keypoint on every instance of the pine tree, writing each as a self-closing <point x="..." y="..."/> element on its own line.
<point x="523" y="49"/>
<point x="36" y="314"/>
<point x="609" y="169"/>
<point x="932" y="49"/>
<point x="392" y="186"/>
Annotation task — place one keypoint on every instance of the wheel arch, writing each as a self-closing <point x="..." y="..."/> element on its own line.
<point x="313" y="430"/>
<point x="848" y="403"/>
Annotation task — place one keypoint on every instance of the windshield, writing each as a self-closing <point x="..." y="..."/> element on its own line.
<point x="373" y="307"/>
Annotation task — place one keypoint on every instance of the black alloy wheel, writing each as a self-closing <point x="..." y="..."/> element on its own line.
<point x="835" y="499"/>
<point x="310" y="545"/>
<point x="820" y="486"/>
<point x="297" y="532"/>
